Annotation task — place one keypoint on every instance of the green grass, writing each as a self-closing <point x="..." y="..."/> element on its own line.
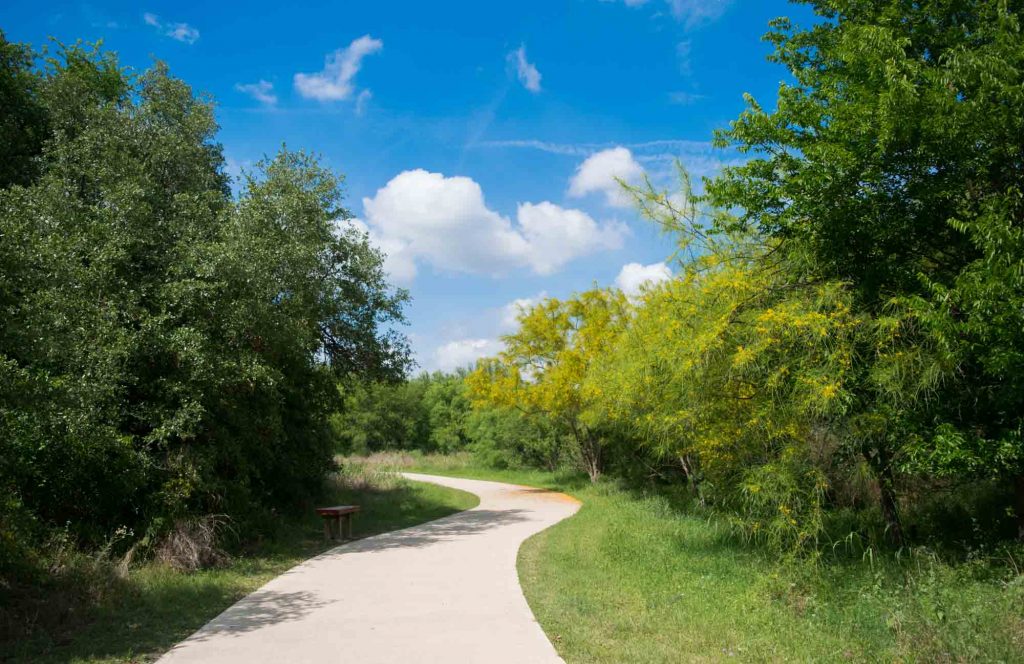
<point x="630" y="579"/>
<point x="143" y="614"/>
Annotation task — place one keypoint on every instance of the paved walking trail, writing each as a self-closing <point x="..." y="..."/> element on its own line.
<point x="443" y="591"/>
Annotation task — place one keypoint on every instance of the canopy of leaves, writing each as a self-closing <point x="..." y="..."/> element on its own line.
<point x="167" y="348"/>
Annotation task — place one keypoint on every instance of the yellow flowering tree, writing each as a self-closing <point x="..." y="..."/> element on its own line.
<point x="544" y="366"/>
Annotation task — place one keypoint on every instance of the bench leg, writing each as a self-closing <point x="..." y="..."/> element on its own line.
<point x="348" y="526"/>
<point x="327" y="529"/>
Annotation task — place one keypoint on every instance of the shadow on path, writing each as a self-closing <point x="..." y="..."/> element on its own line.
<point x="260" y="609"/>
<point x="464" y="523"/>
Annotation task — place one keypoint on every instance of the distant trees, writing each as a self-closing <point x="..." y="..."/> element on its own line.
<point x="167" y="348"/>
<point x="433" y="413"/>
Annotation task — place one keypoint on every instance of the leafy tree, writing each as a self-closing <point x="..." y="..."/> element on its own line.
<point x="544" y="364"/>
<point x="23" y="117"/>
<point x="383" y="415"/>
<point x="508" y="438"/>
<point x="168" y="350"/>
<point x="894" y="163"/>
<point x="447" y="408"/>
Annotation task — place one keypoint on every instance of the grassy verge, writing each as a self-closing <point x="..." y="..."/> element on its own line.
<point x="143" y="612"/>
<point x="632" y="579"/>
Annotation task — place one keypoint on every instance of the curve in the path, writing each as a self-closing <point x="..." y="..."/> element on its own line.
<point x="442" y="591"/>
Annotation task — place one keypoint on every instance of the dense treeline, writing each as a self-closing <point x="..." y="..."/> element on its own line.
<point x="168" y="349"/>
<point x="842" y="349"/>
<point x="432" y="413"/>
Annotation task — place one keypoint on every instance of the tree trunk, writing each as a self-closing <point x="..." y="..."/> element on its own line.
<point x="880" y="465"/>
<point x="590" y="452"/>
<point x="1018" y="485"/>
<point x="689" y="470"/>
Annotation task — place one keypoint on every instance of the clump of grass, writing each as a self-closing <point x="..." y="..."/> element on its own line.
<point x="398" y="461"/>
<point x="194" y="544"/>
<point x="377" y="472"/>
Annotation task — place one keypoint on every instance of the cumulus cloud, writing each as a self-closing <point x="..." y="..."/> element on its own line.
<point x="526" y="71"/>
<point x="335" y="81"/>
<point x="556" y="235"/>
<point x="599" y="171"/>
<point x="423" y="217"/>
<point x="634" y="277"/>
<point x="182" y="32"/>
<point x="262" y="91"/>
<point x="463" y="353"/>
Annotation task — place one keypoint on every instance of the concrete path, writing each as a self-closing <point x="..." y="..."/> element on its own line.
<point x="443" y="591"/>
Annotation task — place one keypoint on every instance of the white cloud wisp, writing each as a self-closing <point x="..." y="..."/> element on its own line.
<point x="335" y="81"/>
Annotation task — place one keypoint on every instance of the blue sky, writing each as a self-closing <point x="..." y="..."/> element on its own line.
<point x="479" y="139"/>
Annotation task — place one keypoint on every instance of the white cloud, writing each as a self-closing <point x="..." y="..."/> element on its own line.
<point x="262" y="91"/>
<point x="334" y="83"/>
<point x="445" y="222"/>
<point x="690" y="12"/>
<point x="362" y="100"/>
<point x="599" y="171"/>
<point x="544" y="146"/>
<point x="634" y="277"/>
<point x="463" y="353"/>
<point x="695" y="12"/>
<point x="423" y="217"/>
<point x="684" y="98"/>
<point x="526" y="71"/>
<point x="510" y="312"/>
<point x="182" y="32"/>
<point x="684" y="51"/>
<point x="557" y="235"/>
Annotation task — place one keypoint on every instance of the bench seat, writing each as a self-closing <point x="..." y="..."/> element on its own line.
<point x="337" y="521"/>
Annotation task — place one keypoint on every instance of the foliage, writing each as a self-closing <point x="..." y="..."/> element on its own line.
<point x="893" y="164"/>
<point x="377" y="416"/>
<point x="543" y="367"/>
<point x="433" y="413"/>
<point x="507" y="438"/>
<point x="447" y="411"/>
<point x="845" y="328"/>
<point x="168" y="350"/>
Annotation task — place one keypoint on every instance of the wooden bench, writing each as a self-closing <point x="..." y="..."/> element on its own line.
<point x="338" y="521"/>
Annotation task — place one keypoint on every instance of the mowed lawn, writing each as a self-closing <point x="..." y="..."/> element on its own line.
<point x="141" y="616"/>
<point x="630" y="579"/>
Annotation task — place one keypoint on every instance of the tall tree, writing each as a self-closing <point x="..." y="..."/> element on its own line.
<point x="895" y="163"/>
<point x="168" y="349"/>
<point x="545" y="363"/>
